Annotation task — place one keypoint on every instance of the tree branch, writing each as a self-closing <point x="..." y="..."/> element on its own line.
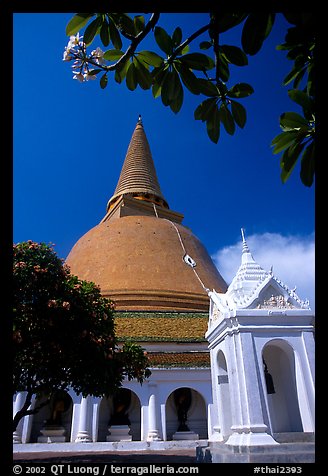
<point x="189" y="40"/>
<point x="134" y="43"/>
<point x="214" y="34"/>
<point x="24" y="411"/>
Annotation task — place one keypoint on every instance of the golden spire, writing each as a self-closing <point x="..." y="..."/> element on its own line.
<point x="138" y="176"/>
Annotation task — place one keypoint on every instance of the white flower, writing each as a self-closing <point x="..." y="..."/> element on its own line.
<point x="67" y="56"/>
<point x="78" y="76"/>
<point x="98" y="54"/>
<point x="75" y="40"/>
<point x="89" y="76"/>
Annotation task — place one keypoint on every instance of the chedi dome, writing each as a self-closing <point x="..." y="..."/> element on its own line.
<point x="140" y="254"/>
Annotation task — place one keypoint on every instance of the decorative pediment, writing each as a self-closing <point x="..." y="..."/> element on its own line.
<point x="253" y="288"/>
<point x="274" y="296"/>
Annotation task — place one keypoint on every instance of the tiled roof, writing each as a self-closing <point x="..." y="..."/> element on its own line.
<point x="179" y="359"/>
<point x="161" y="326"/>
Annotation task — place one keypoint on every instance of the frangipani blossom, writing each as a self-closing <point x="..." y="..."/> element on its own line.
<point x="76" y="50"/>
<point x="67" y="56"/>
<point x="79" y="76"/>
<point x="98" y="55"/>
<point x="89" y="76"/>
<point x="74" y="40"/>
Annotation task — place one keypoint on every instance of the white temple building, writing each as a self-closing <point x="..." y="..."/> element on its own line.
<point x="261" y="340"/>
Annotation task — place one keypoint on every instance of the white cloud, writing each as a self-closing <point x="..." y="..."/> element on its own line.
<point x="292" y="258"/>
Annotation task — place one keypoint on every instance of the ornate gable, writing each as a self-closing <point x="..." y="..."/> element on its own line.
<point x="253" y="288"/>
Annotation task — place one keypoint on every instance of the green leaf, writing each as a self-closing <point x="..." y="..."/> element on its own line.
<point x="205" y="45"/>
<point x="124" y="22"/>
<point x="143" y="76"/>
<point x="227" y="119"/>
<point x="310" y="88"/>
<point x="213" y="124"/>
<point x="163" y="40"/>
<point x="303" y="99"/>
<point x="139" y="23"/>
<point x="170" y="87"/>
<point x="234" y="55"/>
<point x="131" y="77"/>
<point x="156" y="90"/>
<point x="158" y="73"/>
<point x="177" y="36"/>
<point x="113" y="55"/>
<point x="293" y="73"/>
<point x="184" y="50"/>
<point x="77" y="23"/>
<point x="188" y="78"/>
<point x="150" y="58"/>
<point x="203" y="110"/>
<point x="92" y="72"/>
<point x="91" y="30"/>
<point x="198" y="61"/>
<point x="289" y="159"/>
<point x="255" y="30"/>
<point x="114" y="35"/>
<point x="283" y="141"/>
<point x="224" y="72"/>
<point x="207" y="87"/>
<point x="292" y="120"/>
<point x="104" y="33"/>
<point x="121" y="70"/>
<point x="226" y="21"/>
<point x="176" y="104"/>
<point x="213" y="130"/>
<point x="308" y="165"/>
<point x="103" y="81"/>
<point x="238" y="113"/>
<point x="240" y="90"/>
<point x="299" y="78"/>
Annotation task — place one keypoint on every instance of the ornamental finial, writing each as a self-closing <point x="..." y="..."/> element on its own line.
<point x="245" y="247"/>
<point x="139" y="119"/>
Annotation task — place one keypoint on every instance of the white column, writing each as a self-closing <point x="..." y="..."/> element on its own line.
<point x="19" y="402"/>
<point x="83" y="435"/>
<point x="153" y="434"/>
<point x="215" y="409"/>
<point x="253" y="429"/>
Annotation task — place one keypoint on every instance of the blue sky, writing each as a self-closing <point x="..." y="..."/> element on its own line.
<point x="70" y="141"/>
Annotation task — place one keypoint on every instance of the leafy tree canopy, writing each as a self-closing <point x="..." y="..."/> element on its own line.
<point x="173" y="71"/>
<point x="64" y="331"/>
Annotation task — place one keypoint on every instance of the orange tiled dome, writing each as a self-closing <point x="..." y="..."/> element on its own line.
<point x="138" y="262"/>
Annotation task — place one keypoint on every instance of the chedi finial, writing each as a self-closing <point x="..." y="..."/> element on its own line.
<point x="245" y="247"/>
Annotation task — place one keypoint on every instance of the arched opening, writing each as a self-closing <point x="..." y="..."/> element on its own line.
<point x="186" y="411"/>
<point x="224" y="405"/>
<point x="53" y="422"/>
<point x="279" y="372"/>
<point x="123" y="408"/>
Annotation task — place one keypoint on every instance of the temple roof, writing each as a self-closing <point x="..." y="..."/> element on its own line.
<point x="179" y="359"/>
<point x="254" y="288"/>
<point x="138" y="175"/>
<point x="161" y="326"/>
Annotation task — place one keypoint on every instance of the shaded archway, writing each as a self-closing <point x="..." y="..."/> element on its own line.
<point x="279" y="370"/>
<point x="58" y="413"/>
<point x="123" y="408"/>
<point x="189" y="415"/>
<point x="224" y="405"/>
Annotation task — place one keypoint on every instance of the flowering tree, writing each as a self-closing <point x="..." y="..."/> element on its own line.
<point x="63" y="332"/>
<point x="173" y="70"/>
